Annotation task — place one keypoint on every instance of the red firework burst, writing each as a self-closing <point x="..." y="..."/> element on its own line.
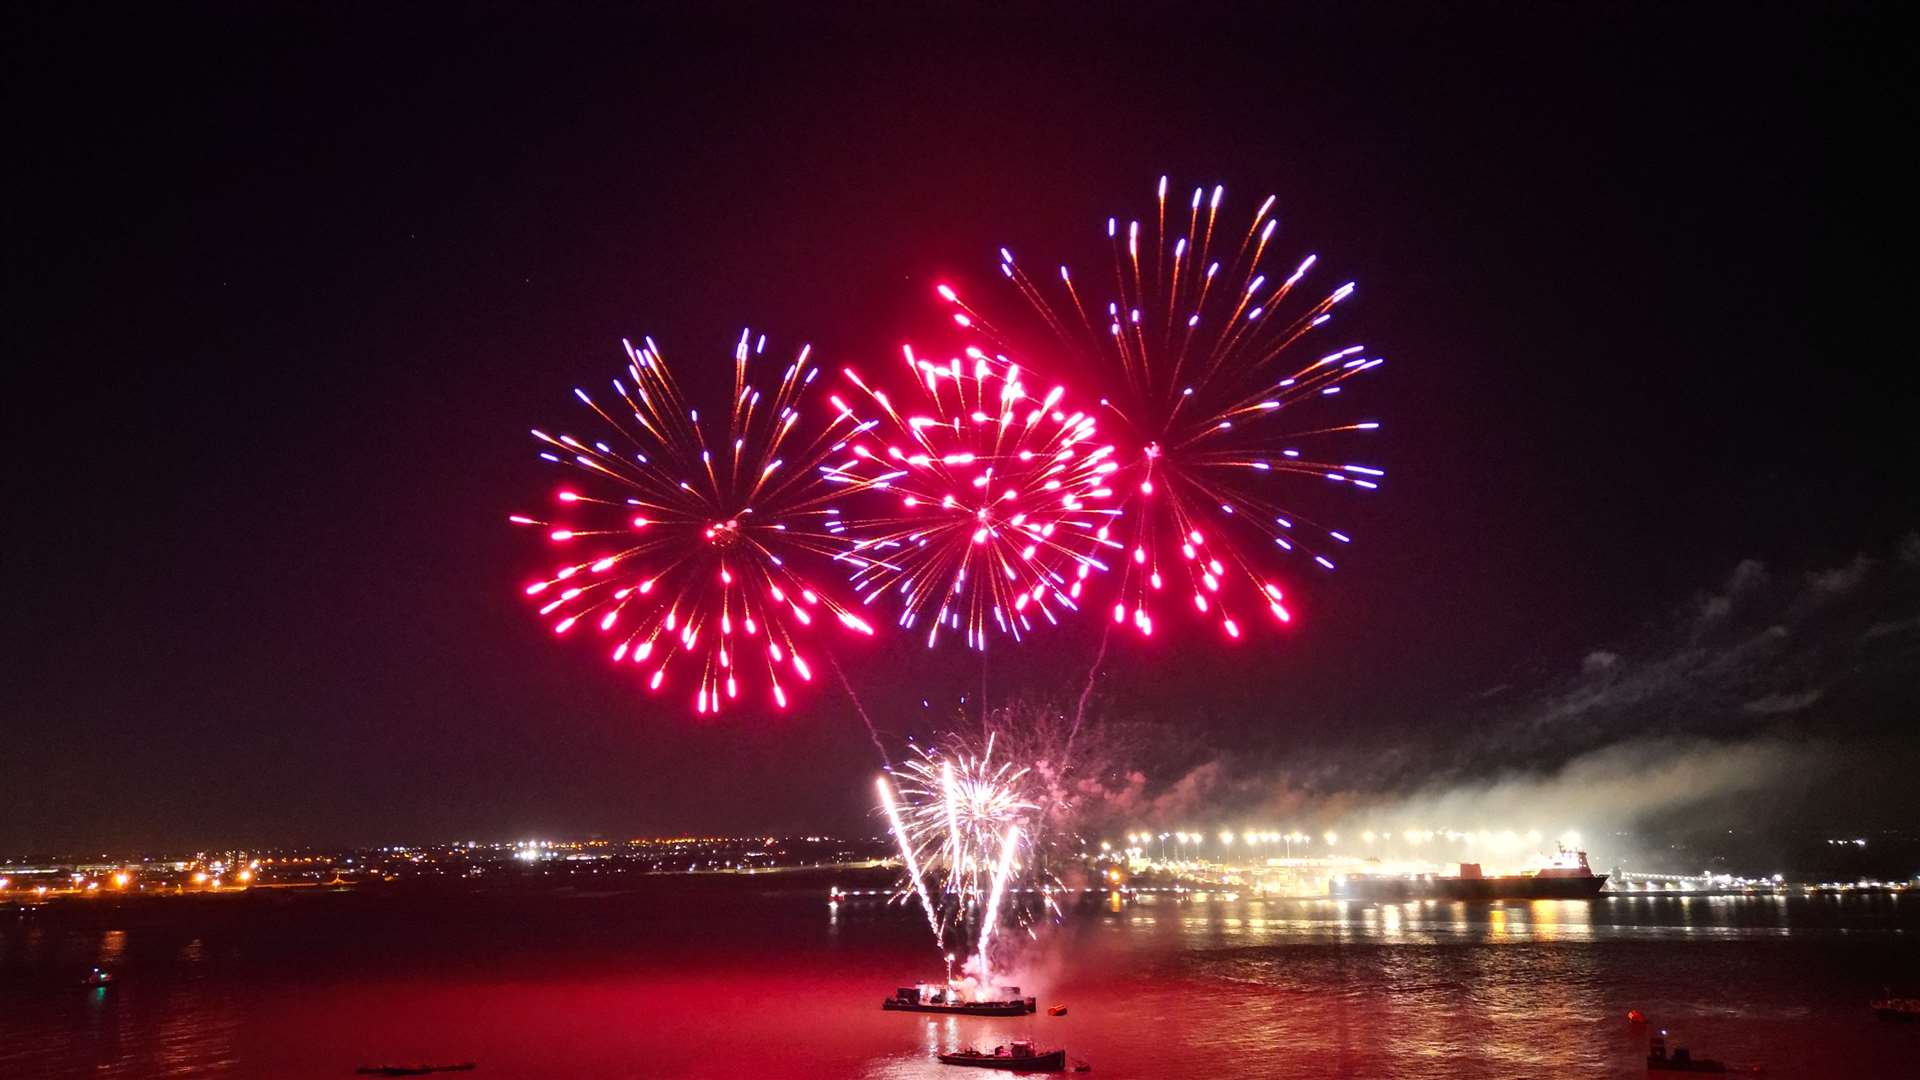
<point x="686" y="550"/>
<point x="989" y="503"/>
<point x="1204" y="382"/>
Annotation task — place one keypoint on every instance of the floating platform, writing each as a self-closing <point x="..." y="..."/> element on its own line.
<point x="940" y="999"/>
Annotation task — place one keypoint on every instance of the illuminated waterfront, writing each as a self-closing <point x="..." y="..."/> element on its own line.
<point x="28" y="880"/>
<point x="1256" y="862"/>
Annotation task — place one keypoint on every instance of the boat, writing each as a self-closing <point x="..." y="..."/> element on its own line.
<point x="1056" y="1010"/>
<point x="1897" y="1008"/>
<point x="1565" y="877"/>
<point x="98" y="978"/>
<point x="1017" y="1056"/>
<point x="927" y="998"/>
<point x="1660" y="1062"/>
<point x="412" y="1070"/>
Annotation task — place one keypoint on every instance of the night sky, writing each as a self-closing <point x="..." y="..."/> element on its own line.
<point x="287" y="292"/>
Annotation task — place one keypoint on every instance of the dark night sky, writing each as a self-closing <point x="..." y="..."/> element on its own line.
<point x="286" y="293"/>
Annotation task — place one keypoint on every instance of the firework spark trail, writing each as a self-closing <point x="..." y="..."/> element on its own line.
<point x="688" y="543"/>
<point x="872" y="732"/>
<point x="991" y="920"/>
<point x="1086" y="691"/>
<point x="907" y="856"/>
<point x="951" y="792"/>
<point x="1204" y="386"/>
<point x="994" y="498"/>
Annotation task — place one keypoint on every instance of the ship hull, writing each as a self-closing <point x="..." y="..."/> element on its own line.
<point x="1481" y="888"/>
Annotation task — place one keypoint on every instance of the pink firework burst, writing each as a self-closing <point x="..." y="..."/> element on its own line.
<point x="988" y="499"/>
<point x="681" y="553"/>
<point x="1221" y="397"/>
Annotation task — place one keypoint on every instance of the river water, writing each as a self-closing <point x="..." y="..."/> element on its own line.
<point x="761" y="977"/>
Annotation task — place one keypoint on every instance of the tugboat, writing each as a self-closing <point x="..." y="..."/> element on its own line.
<point x="1017" y="1056"/>
<point x="1660" y="1062"/>
<point x="945" y="999"/>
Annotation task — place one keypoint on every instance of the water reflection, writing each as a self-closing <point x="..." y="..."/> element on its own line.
<point x="1157" y="987"/>
<point x="112" y="944"/>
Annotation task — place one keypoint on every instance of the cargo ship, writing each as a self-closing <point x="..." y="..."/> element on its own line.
<point x="1565" y="877"/>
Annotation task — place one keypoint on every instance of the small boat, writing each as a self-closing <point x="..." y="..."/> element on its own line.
<point x="945" y="999"/>
<point x="1681" y="1060"/>
<point x="412" y="1070"/>
<point x="1017" y="1056"/>
<point x="1635" y="1016"/>
<point x="1056" y="1010"/>
<point x="1897" y="1008"/>
<point x="98" y="978"/>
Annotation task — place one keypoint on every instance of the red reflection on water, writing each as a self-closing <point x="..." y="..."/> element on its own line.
<point x="714" y="984"/>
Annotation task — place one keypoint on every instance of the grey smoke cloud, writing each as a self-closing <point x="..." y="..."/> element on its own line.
<point x="1832" y="649"/>
<point x="1749" y="693"/>
<point x="1622" y="786"/>
<point x="1775" y="704"/>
